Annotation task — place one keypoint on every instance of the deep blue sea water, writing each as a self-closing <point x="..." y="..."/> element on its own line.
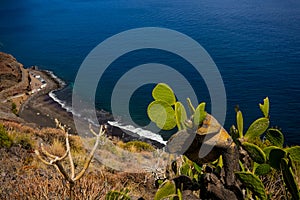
<point x="255" y="44"/>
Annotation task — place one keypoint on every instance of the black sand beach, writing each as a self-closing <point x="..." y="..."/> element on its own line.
<point x="41" y="110"/>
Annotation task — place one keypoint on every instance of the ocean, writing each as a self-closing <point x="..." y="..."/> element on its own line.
<point x="255" y="45"/>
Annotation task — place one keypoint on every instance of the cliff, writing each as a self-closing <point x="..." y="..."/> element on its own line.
<point x="10" y="71"/>
<point x="14" y="86"/>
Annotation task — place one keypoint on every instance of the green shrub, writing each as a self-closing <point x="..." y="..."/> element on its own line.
<point x="24" y="141"/>
<point x="138" y="146"/>
<point x="5" y="140"/>
<point x="14" y="108"/>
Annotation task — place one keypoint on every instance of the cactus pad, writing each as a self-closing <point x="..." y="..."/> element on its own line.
<point x="265" y="107"/>
<point x="162" y="114"/>
<point x="180" y="115"/>
<point x="257" y="128"/>
<point x="253" y="183"/>
<point x="255" y="152"/>
<point x="166" y="190"/>
<point x="162" y="92"/>
<point x="275" y="157"/>
<point x="275" y="137"/>
<point x="289" y="179"/>
<point x="199" y="114"/>
<point x="294" y="153"/>
<point x="262" y="169"/>
<point x="240" y="123"/>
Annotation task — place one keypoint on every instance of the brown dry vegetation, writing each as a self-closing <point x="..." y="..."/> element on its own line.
<point x="23" y="176"/>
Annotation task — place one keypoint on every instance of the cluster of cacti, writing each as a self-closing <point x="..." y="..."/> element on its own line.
<point x="265" y="154"/>
<point x="56" y="161"/>
<point x="257" y="152"/>
<point x="168" y="113"/>
<point x="182" y="175"/>
<point x="260" y="152"/>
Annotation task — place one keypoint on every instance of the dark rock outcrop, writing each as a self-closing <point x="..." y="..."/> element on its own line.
<point x="10" y="71"/>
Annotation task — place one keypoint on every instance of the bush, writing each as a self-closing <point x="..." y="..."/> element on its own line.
<point x="138" y="146"/>
<point x="14" y="108"/>
<point x="15" y="138"/>
<point x="5" y="140"/>
<point x="24" y="140"/>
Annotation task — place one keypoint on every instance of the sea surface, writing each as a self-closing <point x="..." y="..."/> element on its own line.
<point x="255" y="45"/>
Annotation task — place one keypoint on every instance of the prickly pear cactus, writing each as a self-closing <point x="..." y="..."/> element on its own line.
<point x="167" y="191"/>
<point x="289" y="178"/>
<point x="262" y="169"/>
<point x="200" y="114"/>
<point x="257" y="128"/>
<point x="162" y="92"/>
<point x="180" y="115"/>
<point x="255" y="152"/>
<point x="190" y="105"/>
<point x="275" y="157"/>
<point x="268" y="149"/>
<point x="294" y="153"/>
<point x="162" y="114"/>
<point x="160" y="111"/>
<point x="240" y="123"/>
<point x="116" y="195"/>
<point x="167" y="113"/>
<point x="275" y="137"/>
<point x="253" y="183"/>
<point x="265" y="107"/>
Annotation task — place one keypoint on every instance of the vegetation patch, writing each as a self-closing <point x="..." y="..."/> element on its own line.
<point x="5" y="140"/>
<point x="14" y="108"/>
<point x="136" y="146"/>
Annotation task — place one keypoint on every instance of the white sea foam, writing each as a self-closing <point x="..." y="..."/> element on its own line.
<point x="61" y="82"/>
<point x="63" y="104"/>
<point x="141" y="132"/>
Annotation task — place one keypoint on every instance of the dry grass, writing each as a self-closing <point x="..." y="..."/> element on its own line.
<point x="46" y="184"/>
<point x="20" y="181"/>
<point x="57" y="148"/>
<point x="23" y="176"/>
<point x="14" y="126"/>
<point x="22" y="139"/>
<point x="274" y="185"/>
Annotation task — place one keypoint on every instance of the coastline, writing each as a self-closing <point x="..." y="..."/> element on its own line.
<point x="41" y="110"/>
<point x="27" y="96"/>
